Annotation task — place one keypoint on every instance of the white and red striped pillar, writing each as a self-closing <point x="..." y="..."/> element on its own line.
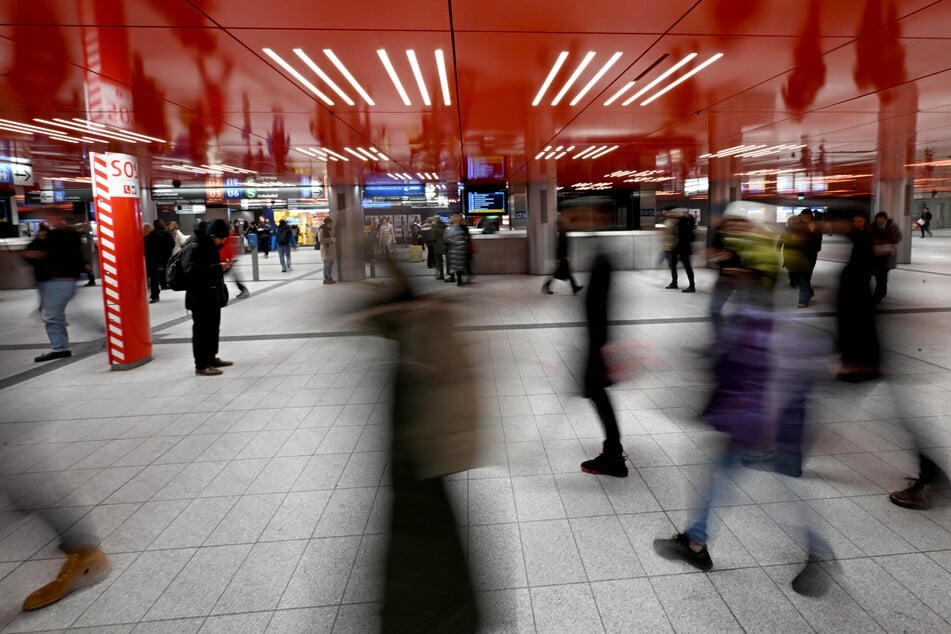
<point x="115" y="182"/>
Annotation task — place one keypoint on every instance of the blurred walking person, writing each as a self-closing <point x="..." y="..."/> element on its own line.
<point x="457" y="241"/>
<point x="924" y="222"/>
<point x="678" y="244"/>
<point x="230" y="252"/>
<point x="59" y="261"/>
<point x="800" y="244"/>
<point x="439" y="249"/>
<point x="427" y="585"/>
<point x="856" y="321"/>
<point x="562" y="269"/>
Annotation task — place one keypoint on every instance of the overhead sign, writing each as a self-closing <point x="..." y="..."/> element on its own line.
<point x="18" y="172"/>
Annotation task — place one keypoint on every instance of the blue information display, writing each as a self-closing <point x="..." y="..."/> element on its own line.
<point x="483" y="202"/>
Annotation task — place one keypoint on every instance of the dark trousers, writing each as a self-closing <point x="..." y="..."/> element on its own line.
<point x="881" y="283"/>
<point x="206" y="320"/>
<point x="684" y="257"/>
<point x="440" y="265"/>
<point x="156" y="282"/>
<point x="427" y="586"/>
<point x="595" y="389"/>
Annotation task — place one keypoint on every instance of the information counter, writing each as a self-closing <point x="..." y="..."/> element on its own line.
<point x="506" y="252"/>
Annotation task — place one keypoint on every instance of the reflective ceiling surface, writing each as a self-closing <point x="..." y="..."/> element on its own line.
<point x="279" y="87"/>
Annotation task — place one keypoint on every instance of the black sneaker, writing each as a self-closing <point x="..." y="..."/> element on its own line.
<point x="811" y="581"/>
<point x="677" y="548"/>
<point x="55" y="354"/>
<point x="689" y="289"/>
<point x="605" y="464"/>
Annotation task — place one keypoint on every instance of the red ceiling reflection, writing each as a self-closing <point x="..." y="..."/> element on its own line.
<point x="371" y="87"/>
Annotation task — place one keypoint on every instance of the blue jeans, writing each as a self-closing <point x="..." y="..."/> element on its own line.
<point x="805" y="287"/>
<point x="284" y="253"/>
<point x="55" y="295"/>
<point x="328" y="269"/>
<point x="721" y="469"/>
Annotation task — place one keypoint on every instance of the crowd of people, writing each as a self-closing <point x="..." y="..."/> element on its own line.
<point x="764" y="370"/>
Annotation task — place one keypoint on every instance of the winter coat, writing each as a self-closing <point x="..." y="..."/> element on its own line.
<point x="457" y="239"/>
<point x="328" y="243"/>
<point x="800" y="245"/>
<point x="201" y="264"/>
<point x="439" y="237"/>
<point x="884" y="240"/>
<point x="387" y="237"/>
<point x="159" y="245"/>
<point x="596" y="310"/>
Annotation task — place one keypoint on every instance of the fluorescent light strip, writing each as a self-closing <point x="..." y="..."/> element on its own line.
<point x="304" y="57"/>
<point x="443" y="78"/>
<point x="421" y="177"/>
<point x="574" y="76"/>
<point x="118" y="135"/>
<point x="684" y="78"/>
<point x="369" y="155"/>
<point x="550" y="154"/>
<point x="56" y="137"/>
<point x="551" y="76"/>
<point x="10" y="128"/>
<point x="603" y="152"/>
<point x="346" y="73"/>
<point x="296" y="75"/>
<point x="27" y="128"/>
<point x="560" y="154"/>
<point x="78" y="128"/>
<point x="595" y="79"/>
<point x="539" y="155"/>
<point x="393" y="76"/>
<point x="332" y="153"/>
<point x="95" y="124"/>
<point x="670" y="71"/>
<point x="586" y="151"/>
<point x="408" y="177"/>
<point x="305" y="152"/>
<point x="359" y="156"/>
<point x="619" y="93"/>
<point x="391" y="176"/>
<point x="92" y="140"/>
<point x="418" y="73"/>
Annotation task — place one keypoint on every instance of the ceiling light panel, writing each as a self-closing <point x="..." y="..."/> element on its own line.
<point x="670" y="71"/>
<point x="683" y="78"/>
<point x="297" y="75"/>
<point x="304" y="57"/>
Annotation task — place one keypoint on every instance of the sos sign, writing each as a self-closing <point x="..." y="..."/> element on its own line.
<point x="122" y="175"/>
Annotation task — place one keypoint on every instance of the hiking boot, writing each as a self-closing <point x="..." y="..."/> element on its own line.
<point x="681" y="548"/>
<point x="916" y="496"/>
<point x="209" y="371"/>
<point x="84" y="567"/>
<point x="672" y="285"/>
<point x="606" y="464"/>
<point x="220" y="363"/>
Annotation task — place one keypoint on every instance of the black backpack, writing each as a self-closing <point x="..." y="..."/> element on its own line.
<point x="284" y="235"/>
<point x="174" y="273"/>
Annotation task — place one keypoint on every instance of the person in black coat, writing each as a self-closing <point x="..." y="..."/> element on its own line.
<point x="562" y="270"/>
<point x="611" y="460"/>
<point x="858" y="335"/>
<point x="159" y="245"/>
<point x="206" y="293"/>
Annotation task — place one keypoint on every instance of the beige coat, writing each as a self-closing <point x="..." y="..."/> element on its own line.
<point x="328" y="243"/>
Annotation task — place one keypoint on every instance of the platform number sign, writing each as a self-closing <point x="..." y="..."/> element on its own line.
<point x="232" y="188"/>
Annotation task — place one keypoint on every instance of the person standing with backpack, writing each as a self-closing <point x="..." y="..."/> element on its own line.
<point x="206" y="294"/>
<point x="284" y="238"/>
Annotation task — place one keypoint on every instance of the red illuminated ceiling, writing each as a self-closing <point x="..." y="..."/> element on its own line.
<point x="208" y="77"/>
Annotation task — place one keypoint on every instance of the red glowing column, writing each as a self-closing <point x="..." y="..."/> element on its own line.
<point x="115" y="180"/>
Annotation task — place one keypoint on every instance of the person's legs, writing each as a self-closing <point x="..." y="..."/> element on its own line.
<point x="155" y="284"/>
<point x="722" y="289"/>
<point x="881" y="284"/>
<point x="205" y="323"/>
<point x="672" y="265"/>
<point x="283" y="254"/>
<point x="805" y="287"/>
<point x="440" y="266"/>
<point x="685" y="258"/>
<point x="56" y="294"/>
<point x="697" y="532"/>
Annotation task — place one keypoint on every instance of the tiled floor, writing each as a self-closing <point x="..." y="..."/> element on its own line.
<point x="257" y="501"/>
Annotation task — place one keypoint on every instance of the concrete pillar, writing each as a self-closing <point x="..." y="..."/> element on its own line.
<point x="542" y="219"/>
<point x="896" y="149"/>
<point x="346" y="209"/>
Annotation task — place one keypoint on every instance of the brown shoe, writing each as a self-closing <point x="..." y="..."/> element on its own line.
<point x="219" y="363"/>
<point x="84" y="567"/>
<point x="915" y="497"/>
<point x="209" y="371"/>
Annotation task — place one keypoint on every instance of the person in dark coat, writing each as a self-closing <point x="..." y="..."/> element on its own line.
<point x="800" y="244"/>
<point x="159" y="245"/>
<point x="885" y="237"/>
<point x="611" y="460"/>
<point x="562" y="270"/>
<point x="457" y="239"/>
<point x="206" y="293"/>
<point x="857" y="332"/>
<point x="439" y="247"/>
<point x="264" y="229"/>
<point x="924" y="222"/>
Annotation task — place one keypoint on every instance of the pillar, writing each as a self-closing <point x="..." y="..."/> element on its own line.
<point x="542" y="221"/>
<point x="346" y="209"/>
<point x="894" y="181"/>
